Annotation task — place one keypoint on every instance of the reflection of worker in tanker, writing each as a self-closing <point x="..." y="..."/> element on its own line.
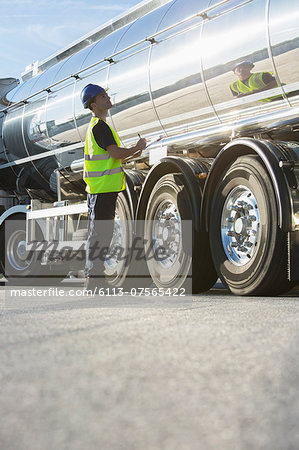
<point x="251" y="83"/>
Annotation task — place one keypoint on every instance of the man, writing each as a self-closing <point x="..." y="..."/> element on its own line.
<point x="104" y="177"/>
<point x="251" y="83"/>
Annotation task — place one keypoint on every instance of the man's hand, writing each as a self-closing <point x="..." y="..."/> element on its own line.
<point x="125" y="153"/>
<point x="141" y="144"/>
<point x="139" y="147"/>
<point x="136" y="155"/>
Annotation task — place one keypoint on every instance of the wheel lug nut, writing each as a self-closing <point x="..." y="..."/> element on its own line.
<point x="230" y="220"/>
<point x="251" y="233"/>
<point x="252" y="218"/>
<point x="230" y="233"/>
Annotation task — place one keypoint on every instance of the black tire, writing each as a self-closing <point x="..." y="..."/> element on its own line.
<point x="19" y="266"/>
<point x="117" y="265"/>
<point x="187" y="260"/>
<point x="248" y="247"/>
<point x="122" y="269"/>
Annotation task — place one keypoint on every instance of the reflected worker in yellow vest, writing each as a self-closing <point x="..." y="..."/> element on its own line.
<point x="104" y="178"/>
<point x="251" y="83"/>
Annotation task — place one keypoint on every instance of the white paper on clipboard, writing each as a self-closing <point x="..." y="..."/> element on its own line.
<point x="157" y="153"/>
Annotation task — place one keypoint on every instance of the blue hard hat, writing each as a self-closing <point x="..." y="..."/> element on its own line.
<point x="89" y="92"/>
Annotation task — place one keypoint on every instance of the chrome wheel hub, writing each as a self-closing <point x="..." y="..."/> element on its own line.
<point x="240" y="224"/>
<point x="16" y="251"/>
<point x="166" y="234"/>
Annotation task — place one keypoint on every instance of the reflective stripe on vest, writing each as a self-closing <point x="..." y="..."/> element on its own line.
<point x="102" y="173"/>
<point x="96" y="157"/>
<point x="255" y="82"/>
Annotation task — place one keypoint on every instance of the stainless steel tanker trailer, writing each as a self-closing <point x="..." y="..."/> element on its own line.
<point x="229" y="164"/>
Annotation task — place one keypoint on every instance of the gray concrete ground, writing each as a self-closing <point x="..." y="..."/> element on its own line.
<point x="212" y="371"/>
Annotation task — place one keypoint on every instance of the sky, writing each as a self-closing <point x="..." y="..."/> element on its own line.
<point x="33" y="30"/>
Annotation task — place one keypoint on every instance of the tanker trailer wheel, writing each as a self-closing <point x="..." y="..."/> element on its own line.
<point x="248" y="247"/>
<point x="117" y="262"/>
<point x="177" y="255"/>
<point x="19" y="266"/>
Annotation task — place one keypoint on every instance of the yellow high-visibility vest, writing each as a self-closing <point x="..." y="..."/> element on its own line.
<point x="255" y="82"/>
<point x="102" y="173"/>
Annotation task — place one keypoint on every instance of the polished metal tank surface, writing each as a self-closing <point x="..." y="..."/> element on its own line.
<point x="175" y="82"/>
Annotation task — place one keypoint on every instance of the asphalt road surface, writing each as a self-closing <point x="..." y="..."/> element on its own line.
<point x="211" y="371"/>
